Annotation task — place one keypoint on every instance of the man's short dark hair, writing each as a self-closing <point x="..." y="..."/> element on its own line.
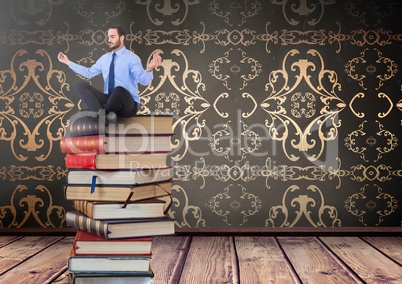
<point x="120" y="30"/>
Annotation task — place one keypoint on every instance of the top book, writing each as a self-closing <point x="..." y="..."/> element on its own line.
<point x="138" y="124"/>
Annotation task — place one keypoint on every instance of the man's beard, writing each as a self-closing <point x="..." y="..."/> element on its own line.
<point x="116" y="45"/>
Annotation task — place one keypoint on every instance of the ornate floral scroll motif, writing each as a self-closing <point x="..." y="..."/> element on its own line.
<point x="235" y="206"/>
<point x="176" y="37"/>
<point x="178" y="11"/>
<point x="371" y="70"/>
<point x="235" y="62"/>
<point x="362" y="37"/>
<point x="320" y="173"/>
<point x="244" y="114"/>
<point x="313" y="11"/>
<point x="221" y="113"/>
<point x="359" y="141"/>
<point x="371" y="205"/>
<point x="247" y="114"/>
<point x="187" y="84"/>
<point x="181" y="172"/>
<point x="289" y="102"/>
<point x="244" y="172"/>
<point x="87" y="37"/>
<point x="24" y="37"/>
<point x="186" y="215"/>
<point x="380" y="173"/>
<point x="351" y="103"/>
<point x="45" y="173"/>
<point x="358" y="37"/>
<point x="298" y="204"/>
<point x="39" y="12"/>
<point x="38" y="206"/>
<point x="362" y="114"/>
<point x="26" y="115"/>
<point x="391" y="105"/>
<point x="236" y="12"/>
<point x="226" y="143"/>
<point x="167" y="103"/>
<point x="98" y="10"/>
<point x="399" y="106"/>
<point x="368" y="16"/>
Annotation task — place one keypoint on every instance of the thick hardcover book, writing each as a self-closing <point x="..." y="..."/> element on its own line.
<point x="118" y="193"/>
<point x="116" y="144"/>
<point x="86" y="126"/>
<point x="108" y="264"/>
<point x="95" y="161"/>
<point x="117" y="177"/>
<point x="150" y="208"/>
<point x="117" y="229"/>
<point x="102" y="278"/>
<point x="89" y="244"/>
<point x="139" y="124"/>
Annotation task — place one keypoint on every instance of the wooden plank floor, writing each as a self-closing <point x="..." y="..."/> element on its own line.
<point x="224" y="259"/>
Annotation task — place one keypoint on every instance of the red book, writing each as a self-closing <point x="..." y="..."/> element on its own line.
<point x="97" y="161"/>
<point x="89" y="244"/>
<point x="116" y="144"/>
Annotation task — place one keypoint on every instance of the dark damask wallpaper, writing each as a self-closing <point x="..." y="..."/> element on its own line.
<point x="288" y="112"/>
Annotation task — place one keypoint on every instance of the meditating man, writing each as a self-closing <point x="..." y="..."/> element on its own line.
<point x="122" y="70"/>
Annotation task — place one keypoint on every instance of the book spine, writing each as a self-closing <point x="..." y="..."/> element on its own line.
<point x="84" y="207"/>
<point x="83" y="126"/>
<point x="87" y="224"/>
<point x="76" y="161"/>
<point x="83" y="144"/>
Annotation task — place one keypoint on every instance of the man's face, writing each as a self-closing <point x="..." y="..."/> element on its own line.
<point x="115" y="42"/>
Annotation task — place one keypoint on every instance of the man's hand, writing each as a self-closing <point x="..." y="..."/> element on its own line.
<point x="155" y="62"/>
<point x="63" y="58"/>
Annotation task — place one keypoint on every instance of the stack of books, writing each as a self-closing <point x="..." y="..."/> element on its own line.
<point x="120" y="183"/>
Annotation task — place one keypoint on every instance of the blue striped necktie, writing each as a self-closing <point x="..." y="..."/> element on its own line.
<point x="111" y="74"/>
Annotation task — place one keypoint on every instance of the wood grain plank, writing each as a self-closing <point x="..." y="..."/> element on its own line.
<point x="62" y="279"/>
<point x="390" y="246"/>
<point x="16" y="252"/>
<point x="314" y="263"/>
<point x="210" y="260"/>
<point x="262" y="261"/>
<point x="168" y="257"/>
<point x="5" y="240"/>
<point x="367" y="262"/>
<point x="46" y="266"/>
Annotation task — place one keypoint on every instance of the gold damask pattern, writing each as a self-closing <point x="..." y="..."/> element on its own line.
<point x="247" y="173"/>
<point x="17" y="115"/>
<point x="361" y="146"/>
<point x="311" y="13"/>
<point x="40" y="173"/>
<point x="90" y="10"/>
<point x="37" y="12"/>
<point x="371" y="206"/>
<point x="167" y="10"/>
<point x="283" y="126"/>
<point x="282" y="119"/>
<point x="357" y="9"/>
<point x="388" y="66"/>
<point x="223" y="37"/>
<point x="283" y="215"/>
<point x="189" y="91"/>
<point x="52" y="217"/>
<point x="235" y="207"/>
<point x="227" y="70"/>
